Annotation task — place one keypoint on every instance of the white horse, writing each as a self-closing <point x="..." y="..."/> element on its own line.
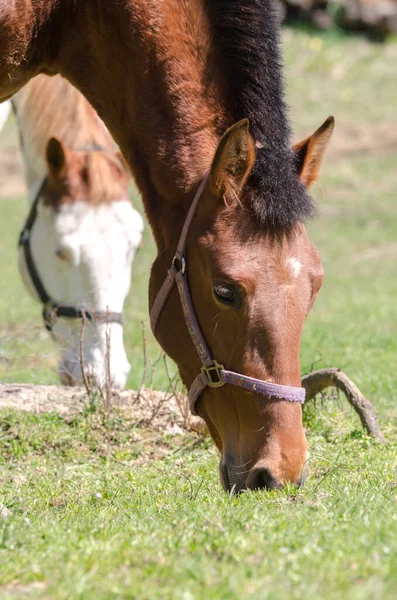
<point x="82" y="233"/>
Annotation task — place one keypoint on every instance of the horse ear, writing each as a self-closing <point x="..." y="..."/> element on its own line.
<point x="309" y="153"/>
<point x="234" y="157"/>
<point x="55" y="155"/>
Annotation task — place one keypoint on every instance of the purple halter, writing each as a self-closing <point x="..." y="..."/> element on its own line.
<point x="212" y="374"/>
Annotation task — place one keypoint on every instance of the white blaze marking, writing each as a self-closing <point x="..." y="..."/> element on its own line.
<point x="295" y="266"/>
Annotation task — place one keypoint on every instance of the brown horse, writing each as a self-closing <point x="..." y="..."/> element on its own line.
<point x="169" y="78"/>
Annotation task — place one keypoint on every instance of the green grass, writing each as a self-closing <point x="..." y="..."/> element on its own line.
<point x="330" y="73"/>
<point x="89" y="525"/>
<point x="102" y="512"/>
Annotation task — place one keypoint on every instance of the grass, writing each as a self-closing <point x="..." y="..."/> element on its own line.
<point x="102" y="512"/>
<point x="88" y="525"/>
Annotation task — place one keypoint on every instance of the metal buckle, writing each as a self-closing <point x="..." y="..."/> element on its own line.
<point x="209" y="371"/>
<point x="179" y="264"/>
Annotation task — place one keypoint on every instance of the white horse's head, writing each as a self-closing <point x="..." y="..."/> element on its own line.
<point x="83" y="242"/>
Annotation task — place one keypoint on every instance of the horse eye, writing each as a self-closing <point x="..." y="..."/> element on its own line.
<point x="227" y="294"/>
<point x="61" y="254"/>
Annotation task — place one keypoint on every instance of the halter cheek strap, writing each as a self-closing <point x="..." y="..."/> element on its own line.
<point x="213" y="374"/>
<point x="52" y="309"/>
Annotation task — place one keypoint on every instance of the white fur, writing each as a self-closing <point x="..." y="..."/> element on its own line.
<point x="5" y="108"/>
<point x="294" y="266"/>
<point x="99" y="243"/>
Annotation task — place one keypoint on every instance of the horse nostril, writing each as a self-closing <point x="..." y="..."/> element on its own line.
<point x="262" y="479"/>
<point x="268" y="481"/>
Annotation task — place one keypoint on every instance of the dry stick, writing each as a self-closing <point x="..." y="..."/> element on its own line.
<point x="99" y="387"/>
<point x="169" y="394"/>
<point x="155" y="406"/>
<point x="190" y="422"/>
<point x="107" y="395"/>
<point x="154" y="367"/>
<point x="314" y="383"/>
<point x="181" y="399"/>
<point x="108" y="376"/>
<point x="84" y="375"/>
<point x="108" y="384"/>
<point x="142" y="386"/>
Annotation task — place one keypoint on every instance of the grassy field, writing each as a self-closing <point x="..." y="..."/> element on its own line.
<point x="100" y="512"/>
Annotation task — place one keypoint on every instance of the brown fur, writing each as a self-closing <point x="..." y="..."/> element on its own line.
<point x="309" y="153"/>
<point x="152" y="71"/>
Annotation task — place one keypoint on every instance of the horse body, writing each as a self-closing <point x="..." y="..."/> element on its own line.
<point x="86" y="233"/>
<point x="168" y="78"/>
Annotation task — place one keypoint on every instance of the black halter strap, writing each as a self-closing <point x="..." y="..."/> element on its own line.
<point x="52" y="309"/>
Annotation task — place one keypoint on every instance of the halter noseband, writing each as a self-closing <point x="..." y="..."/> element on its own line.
<point x="52" y="309"/>
<point x="212" y="374"/>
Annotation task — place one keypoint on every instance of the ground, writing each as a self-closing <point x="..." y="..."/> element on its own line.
<point x="104" y="507"/>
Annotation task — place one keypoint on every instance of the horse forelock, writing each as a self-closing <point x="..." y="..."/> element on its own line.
<point x="246" y="37"/>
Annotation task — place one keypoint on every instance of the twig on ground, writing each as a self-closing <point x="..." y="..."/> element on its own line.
<point x="314" y="383"/>
<point x="143" y="381"/>
<point x="181" y="398"/>
<point x="107" y="396"/>
<point x="87" y="383"/>
<point x="154" y="367"/>
<point x="156" y="404"/>
<point x="108" y="374"/>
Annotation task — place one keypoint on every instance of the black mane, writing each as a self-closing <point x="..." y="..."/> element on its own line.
<point x="248" y="34"/>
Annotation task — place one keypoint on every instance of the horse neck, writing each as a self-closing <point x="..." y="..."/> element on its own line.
<point x="51" y="107"/>
<point x="166" y="112"/>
